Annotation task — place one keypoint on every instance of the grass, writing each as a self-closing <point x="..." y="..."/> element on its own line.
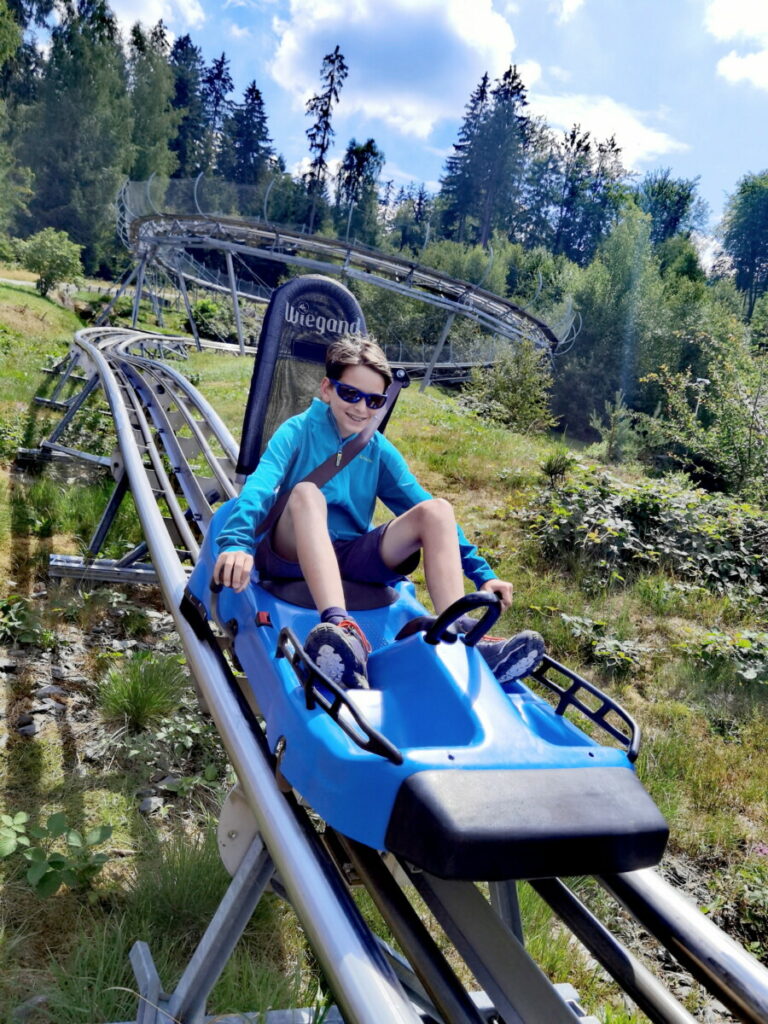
<point x="141" y="691"/>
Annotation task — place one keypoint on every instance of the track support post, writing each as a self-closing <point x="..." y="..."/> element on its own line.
<point x="186" y="1005"/>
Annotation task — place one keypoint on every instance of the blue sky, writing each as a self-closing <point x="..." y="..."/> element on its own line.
<point x="680" y="83"/>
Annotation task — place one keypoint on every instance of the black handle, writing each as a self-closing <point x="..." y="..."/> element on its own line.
<point x="468" y="603"/>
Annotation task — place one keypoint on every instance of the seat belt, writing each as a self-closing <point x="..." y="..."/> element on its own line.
<point x="321" y="474"/>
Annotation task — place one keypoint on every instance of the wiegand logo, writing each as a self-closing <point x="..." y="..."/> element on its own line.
<point x="301" y="314"/>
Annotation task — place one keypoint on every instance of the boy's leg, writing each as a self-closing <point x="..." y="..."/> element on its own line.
<point x="337" y="645"/>
<point x="431" y="527"/>
<point x="301" y="535"/>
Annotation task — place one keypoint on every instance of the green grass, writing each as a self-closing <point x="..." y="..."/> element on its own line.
<point x="142" y="690"/>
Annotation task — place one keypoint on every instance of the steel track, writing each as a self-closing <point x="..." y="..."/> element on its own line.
<point x="178" y="459"/>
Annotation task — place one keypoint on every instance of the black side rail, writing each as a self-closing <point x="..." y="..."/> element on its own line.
<point x="309" y="675"/>
<point x="569" y="699"/>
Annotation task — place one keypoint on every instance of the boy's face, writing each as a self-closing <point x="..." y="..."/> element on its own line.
<point x="352" y="417"/>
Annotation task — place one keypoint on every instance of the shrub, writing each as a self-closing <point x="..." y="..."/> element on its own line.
<point x="616" y="530"/>
<point x="514" y="391"/>
<point x="51" y="256"/>
<point x="618" y="437"/>
<point x="141" y="691"/>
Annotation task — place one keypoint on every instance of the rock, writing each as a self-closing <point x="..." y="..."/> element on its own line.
<point x="8" y="665"/>
<point x="28" y="730"/>
<point x="27" y="1009"/>
<point x="151" y="804"/>
<point x="24" y="719"/>
<point x="51" y="691"/>
<point x="57" y="672"/>
<point x="145" y="791"/>
<point x="168" y="784"/>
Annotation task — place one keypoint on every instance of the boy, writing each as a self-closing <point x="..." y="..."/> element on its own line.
<point x="324" y="534"/>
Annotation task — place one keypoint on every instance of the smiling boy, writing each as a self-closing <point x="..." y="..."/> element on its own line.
<point x="324" y="533"/>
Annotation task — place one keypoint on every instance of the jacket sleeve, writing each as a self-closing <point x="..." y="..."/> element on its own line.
<point x="400" y="490"/>
<point x="260" y="491"/>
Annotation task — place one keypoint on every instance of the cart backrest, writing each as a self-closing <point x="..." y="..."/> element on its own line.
<point x="303" y="317"/>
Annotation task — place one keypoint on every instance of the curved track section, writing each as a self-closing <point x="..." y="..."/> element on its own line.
<point x="169" y="228"/>
<point x="179" y="460"/>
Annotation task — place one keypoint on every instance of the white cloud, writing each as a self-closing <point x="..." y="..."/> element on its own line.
<point x="177" y="14"/>
<point x="411" y="62"/>
<point x="604" y="117"/>
<point x="752" y="67"/>
<point x="745" y="20"/>
<point x="737" y="19"/>
<point x="239" y="31"/>
<point x="566" y="9"/>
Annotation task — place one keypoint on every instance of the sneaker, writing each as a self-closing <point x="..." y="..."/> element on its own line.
<point x="513" y="658"/>
<point x="340" y="652"/>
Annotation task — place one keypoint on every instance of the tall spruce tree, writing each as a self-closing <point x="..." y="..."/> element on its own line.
<point x="246" y="152"/>
<point x="78" y="139"/>
<point x="14" y="180"/>
<point x="357" y="201"/>
<point x="745" y="237"/>
<point x="332" y="74"/>
<point x="503" y="139"/>
<point x="155" y="122"/>
<point x="190" y="143"/>
<point x="217" y="86"/>
<point x="457" y="188"/>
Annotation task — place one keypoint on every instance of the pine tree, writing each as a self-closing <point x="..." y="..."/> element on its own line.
<point x="356" y="197"/>
<point x="500" y="154"/>
<point x="155" y="122"/>
<point x="217" y="85"/>
<point x="189" y="145"/>
<point x="671" y="202"/>
<point x="458" y="185"/>
<point x="246" y="148"/>
<point x="745" y="237"/>
<point x="320" y="134"/>
<point x="78" y="137"/>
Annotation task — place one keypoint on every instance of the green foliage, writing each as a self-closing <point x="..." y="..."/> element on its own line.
<point x="142" y="690"/>
<point x="714" y="427"/>
<point x="745" y="652"/>
<point x="49" y="867"/>
<point x="514" y="391"/>
<point x="614" y="530"/>
<point x="52" y="256"/>
<point x="617" y="434"/>
<point x="217" y="319"/>
<point x="20" y="624"/>
<point x="598" y="646"/>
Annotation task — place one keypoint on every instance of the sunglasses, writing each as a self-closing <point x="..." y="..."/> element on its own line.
<point x="350" y="394"/>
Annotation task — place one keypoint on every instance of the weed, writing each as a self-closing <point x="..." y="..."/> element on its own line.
<point x="76" y="866"/>
<point x="557" y="465"/>
<point x="20" y="624"/>
<point x="142" y="690"/>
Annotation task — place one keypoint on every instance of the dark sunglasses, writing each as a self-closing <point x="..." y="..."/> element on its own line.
<point x="347" y="393"/>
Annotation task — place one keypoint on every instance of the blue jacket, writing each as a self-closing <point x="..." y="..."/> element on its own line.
<point x="378" y="471"/>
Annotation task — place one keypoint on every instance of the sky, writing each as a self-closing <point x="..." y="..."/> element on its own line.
<point x="681" y="84"/>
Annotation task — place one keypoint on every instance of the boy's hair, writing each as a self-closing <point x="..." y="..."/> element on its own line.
<point x="348" y="351"/>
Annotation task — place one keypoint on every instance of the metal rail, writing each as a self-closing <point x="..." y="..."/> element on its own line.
<point x="170" y="236"/>
<point x="179" y="460"/>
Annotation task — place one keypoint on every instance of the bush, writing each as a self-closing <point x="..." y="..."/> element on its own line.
<point x="51" y="256"/>
<point x="514" y="391"/>
<point x="615" y="530"/>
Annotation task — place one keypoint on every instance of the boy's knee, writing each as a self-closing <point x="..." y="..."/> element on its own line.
<point x="437" y="510"/>
<point x="306" y="495"/>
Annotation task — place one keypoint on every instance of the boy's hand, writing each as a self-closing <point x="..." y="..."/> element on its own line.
<point x="501" y="589"/>
<point x="233" y="569"/>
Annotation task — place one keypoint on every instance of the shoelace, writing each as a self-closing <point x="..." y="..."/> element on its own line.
<point x="353" y="626"/>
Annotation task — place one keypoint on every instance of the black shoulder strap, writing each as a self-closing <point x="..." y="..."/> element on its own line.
<point x="321" y="474"/>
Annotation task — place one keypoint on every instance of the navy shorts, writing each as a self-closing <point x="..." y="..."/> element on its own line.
<point x="359" y="560"/>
